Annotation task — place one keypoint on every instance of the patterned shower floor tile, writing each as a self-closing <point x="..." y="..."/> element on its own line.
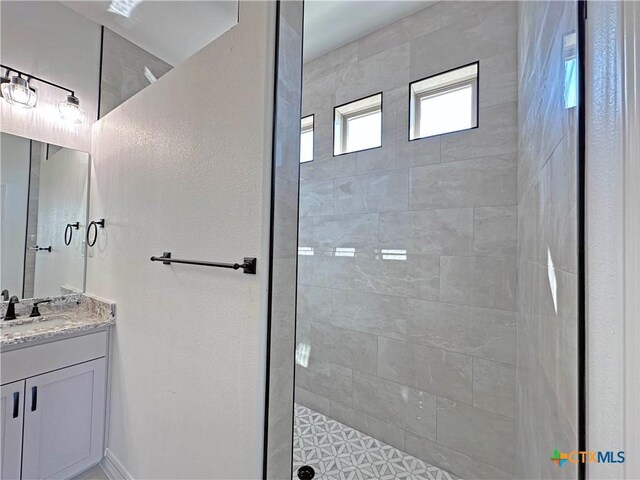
<point x="338" y="452"/>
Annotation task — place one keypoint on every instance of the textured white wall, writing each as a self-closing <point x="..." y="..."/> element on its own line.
<point x="184" y="166"/>
<point x="49" y="40"/>
<point x="631" y="21"/>
<point x="14" y="177"/>
<point x="605" y="285"/>
<point x="64" y="183"/>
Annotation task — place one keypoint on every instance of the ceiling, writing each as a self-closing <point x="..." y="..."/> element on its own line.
<point x="171" y="30"/>
<point x="175" y="30"/>
<point x="329" y="24"/>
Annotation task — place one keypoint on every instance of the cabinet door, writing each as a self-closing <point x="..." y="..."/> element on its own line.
<point x="11" y="430"/>
<point x="64" y="421"/>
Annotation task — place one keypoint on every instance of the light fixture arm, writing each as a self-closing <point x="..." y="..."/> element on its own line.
<point x="32" y="77"/>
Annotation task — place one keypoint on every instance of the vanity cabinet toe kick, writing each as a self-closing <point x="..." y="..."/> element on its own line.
<point x="53" y="407"/>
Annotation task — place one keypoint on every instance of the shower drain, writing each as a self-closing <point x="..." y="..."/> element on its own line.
<point x="306" y="472"/>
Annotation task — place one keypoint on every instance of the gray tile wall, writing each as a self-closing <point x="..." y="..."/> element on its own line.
<point x="547" y="402"/>
<point x="286" y="171"/>
<point x="418" y="350"/>
<point x="123" y="70"/>
<point x="38" y="150"/>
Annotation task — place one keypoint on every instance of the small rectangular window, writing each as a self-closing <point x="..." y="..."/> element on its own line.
<point x="444" y="103"/>
<point x="570" y="52"/>
<point x="306" y="139"/>
<point x="358" y="125"/>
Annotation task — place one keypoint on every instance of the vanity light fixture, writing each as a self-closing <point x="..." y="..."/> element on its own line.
<point x="70" y="109"/>
<point x="18" y="92"/>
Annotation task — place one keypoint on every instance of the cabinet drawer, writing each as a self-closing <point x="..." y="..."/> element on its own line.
<point x="29" y="361"/>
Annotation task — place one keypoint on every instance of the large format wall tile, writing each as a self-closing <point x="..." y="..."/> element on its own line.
<point x="429" y="369"/>
<point x="422" y="22"/>
<point x="328" y="167"/>
<point x="495" y="231"/>
<point x="408" y="250"/>
<point x="326" y="379"/>
<point x="358" y="230"/>
<point x="408" y="408"/>
<point x="317" y="402"/>
<point x="363" y="422"/>
<point x="547" y="398"/>
<point x="453" y="461"/>
<point x="478" y="281"/>
<point x="494" y="387"/>
<point x="365" y="312"/>
<point x="305" y="230"/>
<point x="480" y="332"/>
<point x="349" y="348"/>
<point x="423" y="151"/>
<point x="328" y="63"/>
<point x="497" y="134"/>
<point x="393" y="272"/>
<point x="314" y="304"/>
<point x="317" y="198"/>
<point x="375" y="192"/>
<point x="499" y="79"/>
<point x="378" y="73"/>
<point x="481" y="182"/>
<point x="438" y="232"/>
<point x="464" y="38"/>
<point x="493" y="439"/>
<point x="124" y="67"/>
<point x="325" y="269"/>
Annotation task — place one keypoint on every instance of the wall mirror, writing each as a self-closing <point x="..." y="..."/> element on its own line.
<point x="43" y="208"/>
<point x="80" y="61"/>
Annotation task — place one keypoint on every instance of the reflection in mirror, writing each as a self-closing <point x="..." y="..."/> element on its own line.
<point x="143" y="40"/>
<point x="43" y="207"/>
<point x="101" y="53"/>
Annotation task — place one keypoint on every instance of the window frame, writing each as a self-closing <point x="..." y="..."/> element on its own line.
<point x="305" y="130"/>
<point x="344" y="123"/>
<point x="416" y="98"/>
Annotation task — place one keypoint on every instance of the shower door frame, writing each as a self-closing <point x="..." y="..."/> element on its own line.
<point x="581" y="191"/>
<point x="286" y="45"/>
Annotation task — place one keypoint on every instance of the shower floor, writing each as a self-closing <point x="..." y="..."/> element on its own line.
<point x="338" y="452"/>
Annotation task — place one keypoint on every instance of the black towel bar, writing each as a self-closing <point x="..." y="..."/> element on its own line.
<point x="248" y="266"/>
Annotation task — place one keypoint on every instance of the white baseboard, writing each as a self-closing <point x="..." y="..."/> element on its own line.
<point x="113" y="468"/>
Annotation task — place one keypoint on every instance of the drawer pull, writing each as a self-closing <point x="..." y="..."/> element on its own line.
<point x="34" y="398"/>
<point x="16" y="404"/>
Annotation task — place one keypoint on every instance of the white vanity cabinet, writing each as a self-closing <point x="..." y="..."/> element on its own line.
<point x="56" y="428"/>
<point x="11" y="429"/>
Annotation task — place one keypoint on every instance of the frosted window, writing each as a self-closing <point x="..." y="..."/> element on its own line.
<point x="444" y="103"/>
<point x="364" y="131"/>
<point x="448" y="111"/>
<point x="570" y="70"/>
<point x="306" y="139"/>
<point x="358" y="125"/>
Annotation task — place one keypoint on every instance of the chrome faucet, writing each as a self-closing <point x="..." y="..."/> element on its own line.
<point x="5" y="295"/>
<point x="11" y="308"/>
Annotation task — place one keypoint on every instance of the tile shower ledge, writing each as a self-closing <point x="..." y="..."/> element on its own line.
<point x="65" y="315"/>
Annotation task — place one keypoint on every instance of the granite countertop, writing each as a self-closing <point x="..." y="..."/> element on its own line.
<point x="64" y="315"/>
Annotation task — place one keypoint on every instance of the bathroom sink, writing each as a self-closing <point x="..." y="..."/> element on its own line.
<point x="31" y="325"/>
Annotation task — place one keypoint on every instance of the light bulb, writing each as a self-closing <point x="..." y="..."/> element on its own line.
<point x="18" y="93"/>
<point x="70" y="110"/>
